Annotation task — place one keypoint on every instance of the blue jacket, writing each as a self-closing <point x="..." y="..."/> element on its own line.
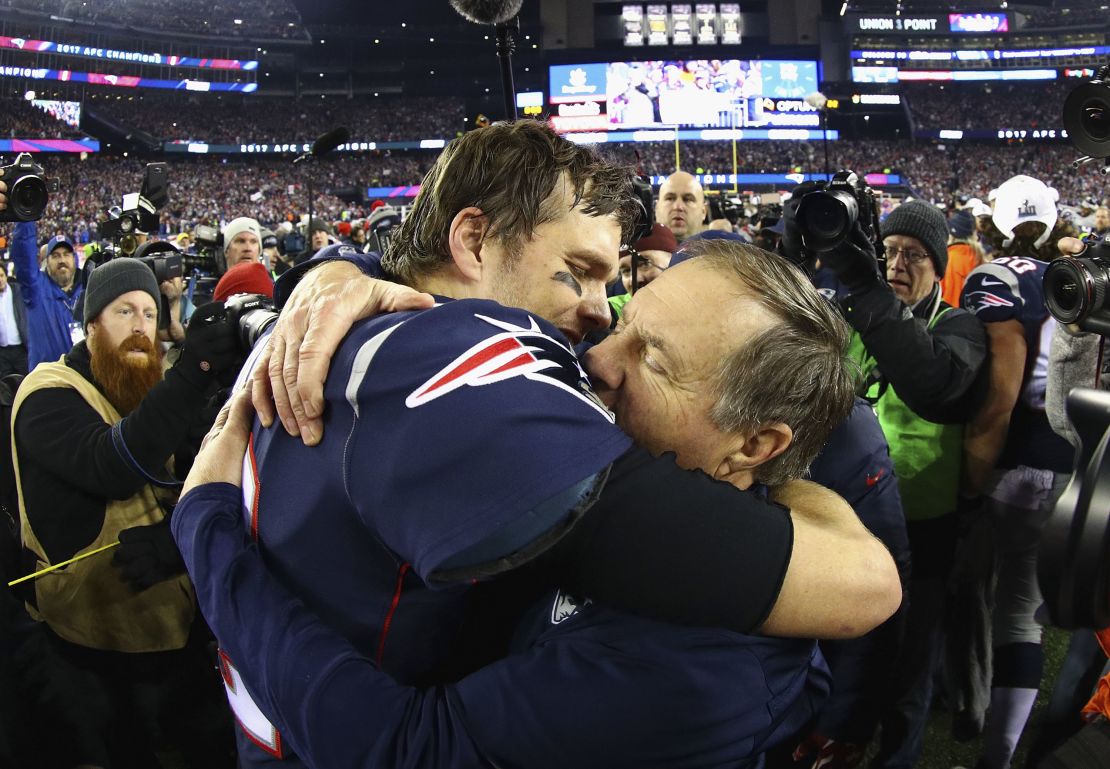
<point x="49" y="309"/>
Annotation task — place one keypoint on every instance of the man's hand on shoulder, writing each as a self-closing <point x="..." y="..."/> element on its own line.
<point x="289" y="378"/>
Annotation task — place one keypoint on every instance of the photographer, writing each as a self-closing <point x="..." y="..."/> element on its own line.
<point x="93" y="434"/>
<point x="921" y="361"/>
<point x="48" y="298"/>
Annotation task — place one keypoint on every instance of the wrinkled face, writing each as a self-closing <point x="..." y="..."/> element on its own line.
<point x="61" y="266"/>
<point x="909" y="270"/>
<point x="130" y="315"/>
<point x="649" y="267"/>
<point x="560" y="274"/>
<point x="1102" y="219"/>
<point x="657" y="370"/>
<point x="244" y="247"/>
<point x="681" y="205"/>
<point x="319" y="239"/>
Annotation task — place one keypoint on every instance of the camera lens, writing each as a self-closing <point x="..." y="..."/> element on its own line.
<point x="28" y="198"/>
<point x="1096" y="119"/>
<point x="1074" y="287"/>
<point x="1087" y="119"/>
<point x="825" y="219"/>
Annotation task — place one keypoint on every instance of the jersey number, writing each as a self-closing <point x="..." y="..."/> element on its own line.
<point x="1017" y="264"/>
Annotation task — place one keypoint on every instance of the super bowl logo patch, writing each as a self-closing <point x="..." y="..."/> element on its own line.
<point x="566" y="606"/>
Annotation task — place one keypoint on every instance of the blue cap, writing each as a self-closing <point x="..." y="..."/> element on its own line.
<point x="59" y="240"/>
<point x="681" y="255"/>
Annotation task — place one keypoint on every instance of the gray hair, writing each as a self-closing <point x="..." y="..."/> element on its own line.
<point x="795" y="372"/>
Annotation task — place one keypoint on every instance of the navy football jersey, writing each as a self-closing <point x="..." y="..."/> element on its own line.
<point x="586" y="687"/>
<point x="446" y="432"/>
<point x="1011" y="288"/>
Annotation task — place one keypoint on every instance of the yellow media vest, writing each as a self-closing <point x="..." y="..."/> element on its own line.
<point x="87" y="603"/>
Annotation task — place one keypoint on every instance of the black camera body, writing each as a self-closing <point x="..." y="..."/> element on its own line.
<point x="1087" y="118"/>
<point x="28" y="189"/>
<point x="209" y="257"/>
<point x="1077" y="288"/>
<point x="250" y="315"/>
<point x="139" y="212"/>
<point x="826" y="215"/>
<point x="723" y="207"/>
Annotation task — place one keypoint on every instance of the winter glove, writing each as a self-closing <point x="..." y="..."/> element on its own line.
<point x="211" y="347"/>
<point x="854" y="261"/>
<point x="148" y="555"/>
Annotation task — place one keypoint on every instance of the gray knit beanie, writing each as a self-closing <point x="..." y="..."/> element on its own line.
<point x="112" y="280"/>
<point x="924" y="221"/>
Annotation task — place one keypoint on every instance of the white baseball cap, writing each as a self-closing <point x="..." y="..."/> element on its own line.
<point x="1024" y="199"/>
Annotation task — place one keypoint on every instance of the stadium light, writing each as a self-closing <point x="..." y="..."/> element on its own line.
<point x="844" y="8"/>
<point x="29" y="96"/>
<point x="238" y="21"/>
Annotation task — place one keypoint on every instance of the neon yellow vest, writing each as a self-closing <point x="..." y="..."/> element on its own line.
<point x="617" y="303"/>
<point x="927" y="457"/>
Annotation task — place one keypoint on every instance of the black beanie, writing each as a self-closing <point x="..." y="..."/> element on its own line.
<point x="924" y="221"/>
<point x="111" y="280"/>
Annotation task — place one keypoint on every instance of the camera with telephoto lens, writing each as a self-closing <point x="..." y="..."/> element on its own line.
<point x="826" y="215"/>
<point x="139" y="212"/>
<point x="28" y="190"/>
<point x="1076" y="288"/>
<point x="251" y="315"/>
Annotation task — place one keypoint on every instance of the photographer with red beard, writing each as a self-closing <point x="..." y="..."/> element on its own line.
<point x="94" y="436"/>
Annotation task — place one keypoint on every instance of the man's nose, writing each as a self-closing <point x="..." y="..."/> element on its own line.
<point x="602" y="363"/>
<point x="593" y="308"/>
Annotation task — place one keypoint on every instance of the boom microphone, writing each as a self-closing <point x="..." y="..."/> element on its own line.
<point x="487" y="11"/>
<point x="329" y="141"/>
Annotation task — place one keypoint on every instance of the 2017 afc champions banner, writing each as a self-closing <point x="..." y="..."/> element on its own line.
<point x="131" y="57"/>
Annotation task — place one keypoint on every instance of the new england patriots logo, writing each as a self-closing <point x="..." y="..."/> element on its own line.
<point x="566" y="606"/>
<point x="977" y="301"/>
<point x="515" y="352"/>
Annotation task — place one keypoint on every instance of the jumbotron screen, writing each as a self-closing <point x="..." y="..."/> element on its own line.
<point x="717" y="93"/>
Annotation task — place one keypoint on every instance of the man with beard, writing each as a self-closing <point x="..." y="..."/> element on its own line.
<point x="50" y="298"/>
<point x="94" y="432"/>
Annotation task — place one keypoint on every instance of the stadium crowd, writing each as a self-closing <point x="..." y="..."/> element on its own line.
<point x="990" y="107"/>
<point x="238" y="18"/>
<point x="215" y="189"/>
<point x="236" y="120"/>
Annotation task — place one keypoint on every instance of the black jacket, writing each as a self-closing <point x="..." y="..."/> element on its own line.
<point x="69" y="466"/>
<point x="939" y="372"/>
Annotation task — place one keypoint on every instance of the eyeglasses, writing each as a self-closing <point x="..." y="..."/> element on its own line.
<point x="909" y="255"/>
<point x="641" y="262"/>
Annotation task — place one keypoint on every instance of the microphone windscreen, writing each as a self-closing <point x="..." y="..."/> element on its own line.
<point x="329" y="141"/>
<point x="487" y="11"/>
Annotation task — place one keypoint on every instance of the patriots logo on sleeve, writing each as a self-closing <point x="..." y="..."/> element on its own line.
<point x="980" y="301"/>
<point x="515" y="351"/>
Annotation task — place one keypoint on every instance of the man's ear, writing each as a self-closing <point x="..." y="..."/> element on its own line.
<point x="741" y="466"/>
<point x="464" y="240"/>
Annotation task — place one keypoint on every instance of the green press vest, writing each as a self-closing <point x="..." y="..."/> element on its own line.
<point x="927" y="457"/>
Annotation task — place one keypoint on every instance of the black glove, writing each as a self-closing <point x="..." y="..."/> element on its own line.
<point x="211" y="346"/>
<point x="790" y="245"/>
<point x="854" y="261"/>
<point x="147" y="555"/>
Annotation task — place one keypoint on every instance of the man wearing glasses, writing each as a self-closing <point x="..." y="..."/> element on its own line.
<point x="643" y="262"/>
<point x="922" y="364"/>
